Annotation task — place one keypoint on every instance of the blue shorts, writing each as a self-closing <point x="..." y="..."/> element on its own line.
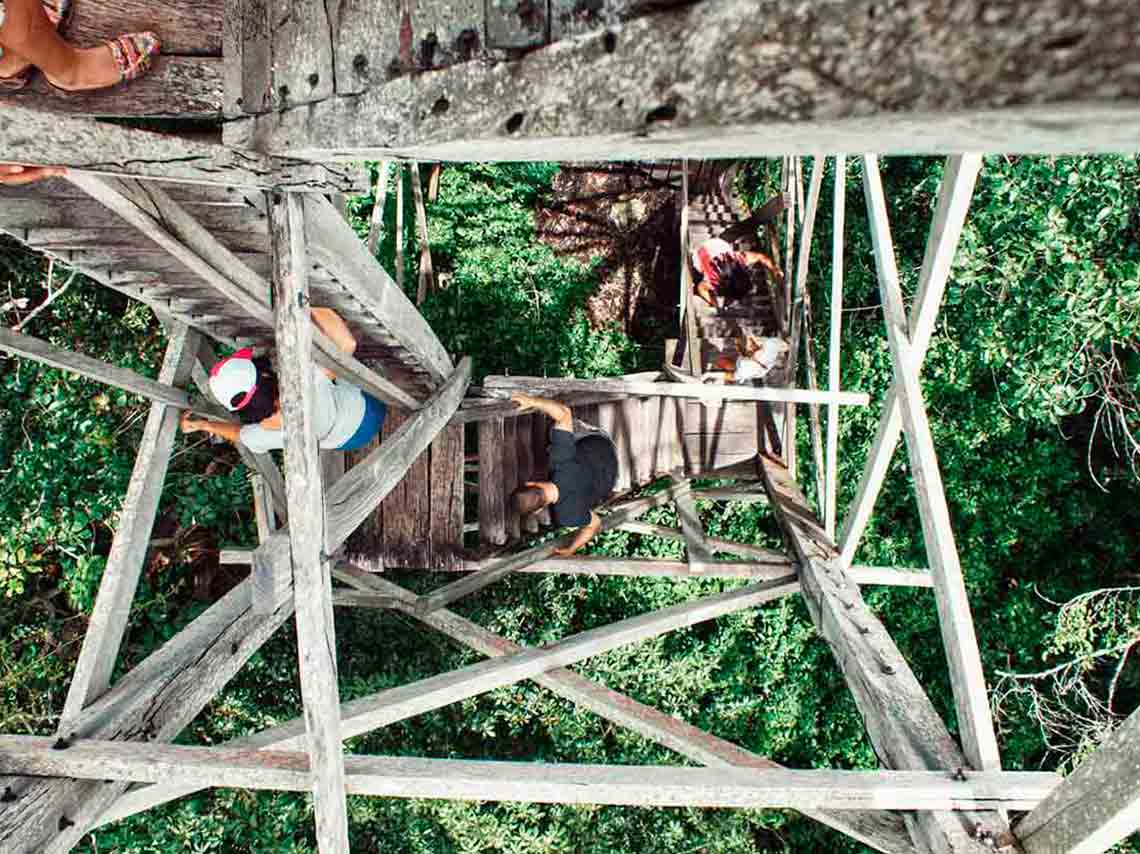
<point x="370" y="424"/>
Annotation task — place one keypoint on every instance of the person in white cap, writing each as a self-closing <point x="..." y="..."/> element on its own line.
<point x="345" y="417"/>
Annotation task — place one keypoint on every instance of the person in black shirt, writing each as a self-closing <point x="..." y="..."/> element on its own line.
<point x="582" y="471"/>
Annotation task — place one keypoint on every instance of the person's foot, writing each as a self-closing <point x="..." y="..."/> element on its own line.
<point x="15" y="71"/>
<point x="117" y="61"/>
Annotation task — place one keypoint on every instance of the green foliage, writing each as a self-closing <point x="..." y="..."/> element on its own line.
<point x="1043" y="296"/>
<point x="505" y="299"/>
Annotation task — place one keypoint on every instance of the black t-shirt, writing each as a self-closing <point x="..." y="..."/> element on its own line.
<point x="583" y="469"/>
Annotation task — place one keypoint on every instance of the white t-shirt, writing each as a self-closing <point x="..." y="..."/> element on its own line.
<point x="337" y="414"/>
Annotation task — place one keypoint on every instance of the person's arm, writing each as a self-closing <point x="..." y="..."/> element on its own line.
<point x="764" y="261"/>
<point x="560" y="412"/>
<point x="333" y="325"/>
<point x="584" y="535"/>
<point x="15" y="175"/>
<point x="225" y="430"/>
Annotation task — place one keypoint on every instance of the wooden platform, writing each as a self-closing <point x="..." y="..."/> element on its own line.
<point x="186" y="81"/>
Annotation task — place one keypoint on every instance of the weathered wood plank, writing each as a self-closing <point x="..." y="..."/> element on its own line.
<point x="176" y="87"/>
<point x="1096" y="806"/>
<point x="510" y="466"/>
<point x="27" y="347"/>
<point x="256" y="58"/>
<point x="379" y="202"/>
<point x="375" y="40"/>
<point x="941" y="244"/>
<point x="45" y="213"/>
<point x="358" y="492"/>
<point x="882" y="831"/>
<point x="959" y="638"/>
<point x="233" y="45"/>
<point x="389" y="776"/>
<point x="187" y="27"/>
<point x="777" y="567"/>
<point x="108" y="621"/>
<point x="300" y="33"/>
<point x="41" y="138"/>
<point x="447" y="498"/>
<point x="504" y="566"/>
<point x="312" y="586"/>
<point x="557" y="386"/>
<point x="406" y="511"/>
<point x="831" y="490"/>
<point x="697" y="547"/>
<point x="159" y="698"/>
<point x="426" y="275"/>
<point x="940" y="94"/>
<point x="901" y="722"/>
<point x="492" y="487"/>
<point x="334" y="245"/>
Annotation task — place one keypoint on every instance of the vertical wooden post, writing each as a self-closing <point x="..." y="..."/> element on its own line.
<point x="492" y="490"/>
<point x="831" y="491"/>
<point x="379" y="200"/>
<point x="399" y="176"/>
<point x="108" y="623"/>
<point x="957" y="624"/>
<point x="316" y="641"/>
<point x="427" y="275"/>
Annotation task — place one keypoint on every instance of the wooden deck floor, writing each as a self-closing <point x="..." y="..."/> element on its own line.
<point x="186" y="82"/>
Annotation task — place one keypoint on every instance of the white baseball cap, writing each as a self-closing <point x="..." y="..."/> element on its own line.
<point x="233" y="380"/>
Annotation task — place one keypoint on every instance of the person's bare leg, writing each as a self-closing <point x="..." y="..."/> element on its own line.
<point x="28" y="32"/>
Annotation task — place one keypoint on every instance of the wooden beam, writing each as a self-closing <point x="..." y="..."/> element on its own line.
<point x="902" y="724"/>
<point x="158" y="698"/>
<point x="532" y="782"/>
<point x="27" y="347"/>
<point x="941" y="244"/>
<point x="166" y="223"/>
<point x="831" y="489"/>
<point x="799" y="303"/>
<point x="632" y="99"/>
<point x="426" y="274"/>
<point x="697" y="547"/>
<point x="353" y="498"/>
<point x="1096" y="806"/>
<point x="379" y="200"/>
<point x="746" y="493"/>
<point x="40" y="138"/>
<point x="778" y="567"/>
<point x="334" y="245"/>
<point x="557" y="386"/>
<point x="967" y="678"/>
<point x="479" y="409"/>
<point x="312" y="586"/>
<point x="405" y="701"/>
<point x="504" y="566"/>
<point x="880" y="830"/>
<point x="400" y="236"/>
<point x="108" y="622"/>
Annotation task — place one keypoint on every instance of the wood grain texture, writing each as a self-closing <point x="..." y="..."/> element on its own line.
<point x="27" y="347"/>
<point x="426" y="283"/>
<point x="902" y="723"/>
<point x="175" y="87"/>
<point x="41" y="138"/>
<point x="1096" y="806"/>
<point x="336" y="247"/>
<point x="510" y="468"/>
<point x="773" y="788"/>
<point x="312" y="586"/>
<point x="186" y="27"/>
<point x="881" y="831"/>
<point x="406" y="511"/>
<point x="557" y="386"/>
<point x="107" y="624"/>
<point x="447" y="503"/>
<point x="697" y="547"/>
<point x="959" y="638"/>
<point x="794" y="80"/>
<point x="370" y="480"/>
<point x="492" y="494"/>
<point x="301" y="38"/>
<point x="158" y="698"/>
<point x="835" y="314"/>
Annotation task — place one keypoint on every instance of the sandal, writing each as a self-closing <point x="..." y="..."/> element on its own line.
<point x="133" y="54"/>
<point x="59" y="13"/>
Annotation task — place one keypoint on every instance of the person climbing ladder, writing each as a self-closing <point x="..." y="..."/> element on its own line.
<point x="583" y="469"/>
<point x="720" y="271"/>
<point x="346" y="418"/>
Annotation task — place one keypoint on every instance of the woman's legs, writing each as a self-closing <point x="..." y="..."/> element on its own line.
<point x="29" y="37"/>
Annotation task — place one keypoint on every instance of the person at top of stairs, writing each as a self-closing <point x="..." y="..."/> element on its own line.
<point x="722" y="274"/>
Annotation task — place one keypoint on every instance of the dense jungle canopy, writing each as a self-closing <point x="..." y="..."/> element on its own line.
<point x="1031" y="381"/>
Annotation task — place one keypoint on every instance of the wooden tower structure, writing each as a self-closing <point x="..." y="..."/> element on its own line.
<point x="233" y="240"/>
